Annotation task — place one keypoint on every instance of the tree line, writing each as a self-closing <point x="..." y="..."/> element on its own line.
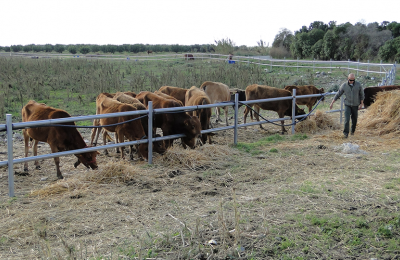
<point x="340" y="42"/>
<point x="109" y="48"/>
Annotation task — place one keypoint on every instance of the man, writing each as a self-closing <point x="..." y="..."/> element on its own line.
<point x="353" y="102"/>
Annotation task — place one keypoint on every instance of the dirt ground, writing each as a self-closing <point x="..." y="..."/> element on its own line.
<point x="173" y="211"/>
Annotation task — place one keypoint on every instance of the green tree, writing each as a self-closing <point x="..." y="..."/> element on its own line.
<point x="390" y="50"/>
<point x="72" y="49"/>
<point x="329" y="46"/>
<point x="27" y="48"/>
<point x="225" y="46"/>
<point x="48" y="48"/>
<point x="316" y="50"/>
<point x="16" y="48"/>
<point x="59" y="48"/>
<point x="84" y="50"/>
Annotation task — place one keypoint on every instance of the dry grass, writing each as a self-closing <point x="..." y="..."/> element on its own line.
<point x="383" y="116"/>
<point x="317" y="122"/>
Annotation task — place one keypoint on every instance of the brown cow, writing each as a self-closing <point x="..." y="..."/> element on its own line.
<point x="132" y="130"/>
<point x="189" y="57"/>
<point x="158" y="146"/>
<point x="370" y="93"/>
<point x="194" y="97"/>
<point x="59" y="138"/>
<point x="306" y="90"/>
<point x="173" y="123"/>
<point x="178" y="93"/>
<point x="167" y="96"/>
<point x="217" y="92"/>
<point x="282" y="107"/>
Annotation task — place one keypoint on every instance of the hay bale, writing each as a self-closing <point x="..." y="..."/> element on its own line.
<point x="324" y="121"/>
<point x="318" y="121"/>
<point x="306" y="126"/>
<point x="383" y="116"/>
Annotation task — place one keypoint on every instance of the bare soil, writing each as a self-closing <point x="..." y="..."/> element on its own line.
<point x="264" y="205"/>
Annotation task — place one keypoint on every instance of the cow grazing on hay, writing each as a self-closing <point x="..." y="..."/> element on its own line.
<point x="173" y="123"/>
<point x="217" y="92"/>
<point x="189" y="57"/>
<point x="59" y="138"/>
<point x="370" y="93"/>
<point x="306" y="90"/>
<point x="133" y="130"/>
<point x="178" y="93"/>
<point x="282" y="107"/>
<point x="195" y="97"/>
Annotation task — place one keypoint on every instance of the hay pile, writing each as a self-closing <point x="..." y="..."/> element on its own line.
<point x="207" y="155"/>
<point x="111" y="173"/>
<point x="383" y="116"/>
<point x="318" y="121"/>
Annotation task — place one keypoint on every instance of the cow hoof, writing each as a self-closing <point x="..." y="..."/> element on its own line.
<point x="77" y="163"/>
<point x="38" y="167"/>
<point x="60" y="177"/>
<point x="25" y="169"/>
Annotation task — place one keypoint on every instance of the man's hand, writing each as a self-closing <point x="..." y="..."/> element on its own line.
<point x="361" y="105"/>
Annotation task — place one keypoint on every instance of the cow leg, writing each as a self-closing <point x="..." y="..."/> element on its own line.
<point x="35" y="147"/>
<point x="121" y="140"/>
<point x="257" y="117"/>
<point x="116" y="138"/>
<point x="217" y="113"/>
<point x="281" y="115"/>
<point x="95" y="133"/>
<point x="104" y="141"/>
<point x="226" y="115"/>
<point x="26" y="140"/>
<point x="56" y="161"/>
<point x="246" y="112"/>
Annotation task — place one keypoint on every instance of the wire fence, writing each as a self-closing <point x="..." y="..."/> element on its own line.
<point x="10" y="126"/>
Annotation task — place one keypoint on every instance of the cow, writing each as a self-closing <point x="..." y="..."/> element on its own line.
<point x="158" y="146"/>
<point x="173" y="123"/>
<point x="149" y="51"/>
<point x="59" y="138"/>
<point x="178" y="93"/>
<point x="195" y="97"/>
<point x="282" y="107"/>
<point x="242" y="95"/>
<point x="217" y="92"/>
<point x="167" y="96"/>
<point x="189" y="57"/>
<point x="370" y="93"/>
<point x="133" y="130"/>
<point x="306" y="90"/>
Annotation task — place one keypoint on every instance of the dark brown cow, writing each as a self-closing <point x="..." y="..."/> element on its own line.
<point x="59" y="138"/>
<point x="306" y="90"/>
<point x="217" y="92"/>
<point x="178" y="93"/>
<point x="149" y="51"/>
<point x="132" y="130"/>
<point x="282" y="107"/>
<point x="189" y="57"/>
<point x="370" y="93"/>
<point x="195" y="97"/>
<point x="173" y="123"/>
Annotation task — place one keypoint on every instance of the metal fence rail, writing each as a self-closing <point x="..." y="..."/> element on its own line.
<point x="9" y="127"/>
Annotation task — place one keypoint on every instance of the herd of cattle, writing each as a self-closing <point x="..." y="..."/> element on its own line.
<point x="135" y="127"/>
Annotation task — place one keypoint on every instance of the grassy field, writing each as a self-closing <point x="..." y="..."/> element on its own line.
<point x="272" y="196"/>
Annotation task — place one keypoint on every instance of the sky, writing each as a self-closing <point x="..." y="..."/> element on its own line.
<point x="183" y="22"/>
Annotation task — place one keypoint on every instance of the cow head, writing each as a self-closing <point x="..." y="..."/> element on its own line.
<point x="192" y="130"/>
<point x="321" y="91"/>
<point x="143" y="151"/>
<point x="159" y="146"/>
<point x="88" y="159"/>
<point x="299" y="111"/>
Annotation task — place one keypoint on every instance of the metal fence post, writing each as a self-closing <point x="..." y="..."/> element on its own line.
<point x="284" y="63"/>
<point x="297" y="64"/>
<point x="10" y="155"/>
<point x="348" y="66"/>
<point x="358" y="63"/>
<point x="293" y="109"/>
<point x="368" y="69"/>
<point x="313" y="65"/>
<point x="235" y="131"/>
<point x="331" y="65"/>
<point x="270" y="64"/>
<point x="380" y="67"/>
<point x="150" y="133"/>
<point x="341" y="109"/>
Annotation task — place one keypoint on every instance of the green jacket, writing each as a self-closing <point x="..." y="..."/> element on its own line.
<point x="353" y="95"/>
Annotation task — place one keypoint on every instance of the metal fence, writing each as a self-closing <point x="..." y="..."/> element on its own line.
<point x="10" y="126"/>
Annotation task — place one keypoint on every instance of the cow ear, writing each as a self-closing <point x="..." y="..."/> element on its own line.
<point x="186" y="123"/>
<point x="321" y="90"/>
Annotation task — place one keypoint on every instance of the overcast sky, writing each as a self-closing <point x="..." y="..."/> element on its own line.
<point x="175" y="21"/>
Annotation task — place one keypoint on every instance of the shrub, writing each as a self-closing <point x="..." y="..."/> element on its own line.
<point x="279" y="52"/>
<point x="84" y="50"/>
<point x="72" y="49"/>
